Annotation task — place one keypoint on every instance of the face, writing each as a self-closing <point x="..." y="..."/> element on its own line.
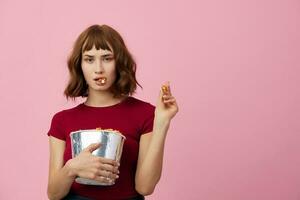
<point x="99" y="69"/>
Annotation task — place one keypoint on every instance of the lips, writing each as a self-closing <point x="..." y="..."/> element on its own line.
<point x="100" y="80"/>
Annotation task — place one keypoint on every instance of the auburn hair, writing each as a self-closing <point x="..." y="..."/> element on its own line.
<point x="104" y="37"/>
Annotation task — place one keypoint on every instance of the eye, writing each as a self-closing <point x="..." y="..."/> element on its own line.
<point x="89" y="60"/>
<point x="108" y="59"/>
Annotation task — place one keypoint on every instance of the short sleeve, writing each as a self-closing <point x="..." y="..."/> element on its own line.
<point x="56" y="128"/>
<point x="148" y="119"/>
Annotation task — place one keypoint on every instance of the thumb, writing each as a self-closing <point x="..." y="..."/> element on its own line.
<point x="92" y="147"/>
<point x="160" y="97"/>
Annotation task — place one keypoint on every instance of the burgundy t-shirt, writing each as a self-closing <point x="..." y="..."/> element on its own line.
<point x="132" y="117"/>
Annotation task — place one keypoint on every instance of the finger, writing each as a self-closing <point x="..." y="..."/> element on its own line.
<point x="108" y="174"/>
<point x="110" y="168"/>
<point x="109" y="161"/>
<point x="92" y="147"/>
<point x="167" y="97"/>
<point x="107" y="167"/>
<point x="169" y="88"/>
<point x="95" y="175"/>
<point x="113" y="176"/>
<point x="170" y="101"/>
<point x="103" y="179"/>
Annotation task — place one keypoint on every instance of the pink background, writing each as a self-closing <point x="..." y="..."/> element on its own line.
<point x="234" y="68"/>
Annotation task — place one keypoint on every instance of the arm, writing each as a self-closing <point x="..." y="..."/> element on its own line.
<point x="84" y="165"/>
<point x="150" y="160"/>
<point x="60" y="177"/>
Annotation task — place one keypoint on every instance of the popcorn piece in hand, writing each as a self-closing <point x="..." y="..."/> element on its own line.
<point x="165" y="89"/>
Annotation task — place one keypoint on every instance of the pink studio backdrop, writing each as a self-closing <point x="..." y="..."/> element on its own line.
<point x="234" y="68"/>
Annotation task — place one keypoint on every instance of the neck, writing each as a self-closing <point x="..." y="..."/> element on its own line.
<point x="101" y="99"/>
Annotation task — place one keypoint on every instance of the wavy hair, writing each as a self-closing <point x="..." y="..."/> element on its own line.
<point x="103" y="37"/>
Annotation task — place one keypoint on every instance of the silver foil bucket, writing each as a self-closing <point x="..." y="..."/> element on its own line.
<point x="111" y="147"/>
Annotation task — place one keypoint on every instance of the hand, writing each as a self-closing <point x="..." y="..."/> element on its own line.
<point x="166" y="107"/>
<point x="97" y="168"/>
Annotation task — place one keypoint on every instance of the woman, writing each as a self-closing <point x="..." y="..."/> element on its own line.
<point x="102" y="69"/>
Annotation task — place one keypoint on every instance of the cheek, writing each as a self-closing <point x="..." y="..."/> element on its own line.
<point x="113" y="71"/>
<point x="85" y="72"/>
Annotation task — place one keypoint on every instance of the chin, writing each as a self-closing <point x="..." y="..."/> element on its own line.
<point x="101" y="88"/>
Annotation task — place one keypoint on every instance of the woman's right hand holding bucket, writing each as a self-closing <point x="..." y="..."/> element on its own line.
<point x="86" y="165"/>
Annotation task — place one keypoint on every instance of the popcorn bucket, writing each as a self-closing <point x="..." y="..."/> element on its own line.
<point x="111" y="147"/>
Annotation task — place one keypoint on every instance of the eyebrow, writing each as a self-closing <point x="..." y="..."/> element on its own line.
<point x="104" y="55"/>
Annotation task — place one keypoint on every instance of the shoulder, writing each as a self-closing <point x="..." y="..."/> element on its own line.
<point x="143" y="113"/>
<point x="66" y="112"/>
<point x="133" y="102"/>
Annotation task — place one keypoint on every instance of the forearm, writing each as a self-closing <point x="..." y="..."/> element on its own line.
<point x="151" y="168"/>
<point x="60" y="183"/>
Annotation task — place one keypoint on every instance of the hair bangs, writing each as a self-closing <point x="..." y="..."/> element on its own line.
<point x="98" y="39"/>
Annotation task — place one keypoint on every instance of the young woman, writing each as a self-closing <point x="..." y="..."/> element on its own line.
<point x="102" y="69"/>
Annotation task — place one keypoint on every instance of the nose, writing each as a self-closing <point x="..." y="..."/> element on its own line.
<point x="99" y="68"/>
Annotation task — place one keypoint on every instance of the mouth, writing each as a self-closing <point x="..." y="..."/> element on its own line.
<point x="100" y="81"/>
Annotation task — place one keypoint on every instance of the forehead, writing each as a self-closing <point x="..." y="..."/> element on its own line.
<point x="95" y="51"/>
